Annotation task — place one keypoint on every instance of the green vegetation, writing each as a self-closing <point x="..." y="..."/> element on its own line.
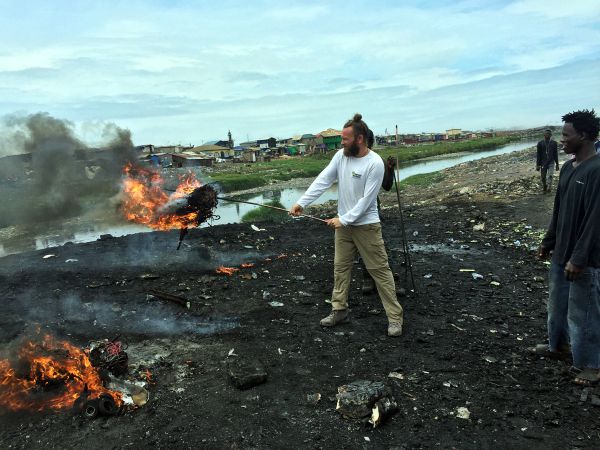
<point x="261" y="174"/>
<point x="262" y="214"/>
<point x="423" y="179"/>
<point x="404" y="153"/>
<point x="237" y="177"/>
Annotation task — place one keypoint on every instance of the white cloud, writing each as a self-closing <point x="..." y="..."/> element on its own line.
<point x="129" y="60"/>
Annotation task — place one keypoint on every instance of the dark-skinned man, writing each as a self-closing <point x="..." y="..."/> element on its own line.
<point x="359" y="172"/>
<point x="547" y="156"/>
<point x="573" y="237"/>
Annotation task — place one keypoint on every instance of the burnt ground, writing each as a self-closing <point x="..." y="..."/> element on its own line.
<point x="464" y="342"/>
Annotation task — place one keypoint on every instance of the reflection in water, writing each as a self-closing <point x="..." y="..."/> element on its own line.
<point x="36" y="239"/>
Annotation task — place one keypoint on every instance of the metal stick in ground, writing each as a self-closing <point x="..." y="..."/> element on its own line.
<point x="407" y="259"/>
<point x="228" y="199"/>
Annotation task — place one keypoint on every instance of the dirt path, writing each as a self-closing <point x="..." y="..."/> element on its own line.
<point x="463" y="345"/>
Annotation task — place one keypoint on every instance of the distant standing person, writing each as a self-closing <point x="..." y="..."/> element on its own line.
<point x="359" y="172"/>
<point x="547" y="156"/>
<point x="573" y="237"/>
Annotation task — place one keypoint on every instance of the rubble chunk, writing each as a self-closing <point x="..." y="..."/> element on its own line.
<point x="356" y="400"/>
<point x="246" y="373"/>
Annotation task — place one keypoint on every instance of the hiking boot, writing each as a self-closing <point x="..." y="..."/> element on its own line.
<point x="394" y="329"/>
<point x="368" y="286"/>
<point x="337" y="316"/>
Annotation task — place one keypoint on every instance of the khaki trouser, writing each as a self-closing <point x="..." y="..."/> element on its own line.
<point x="369" y="242"/>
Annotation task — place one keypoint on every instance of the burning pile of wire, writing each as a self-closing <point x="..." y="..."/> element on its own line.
<point x="110" y="356"/>
<point x="50" y="374"/>
<point x="146" y="201"/>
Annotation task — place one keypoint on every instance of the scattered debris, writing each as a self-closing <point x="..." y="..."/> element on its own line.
<point x="463" y="413"/>
<point x="51" y="255"/>
<point x="313" y="399"/>
<point x="382" y="409"/>
<point x="169" y="297"/>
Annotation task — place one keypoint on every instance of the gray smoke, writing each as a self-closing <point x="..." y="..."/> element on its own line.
<point x="56" y="172"/>
<point x="104" y="318"/>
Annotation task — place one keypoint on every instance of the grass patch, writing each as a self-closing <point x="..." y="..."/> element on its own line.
<point x="405" y="154"/>
<point x="262" y="214"/>
<point x="423" y="179"/>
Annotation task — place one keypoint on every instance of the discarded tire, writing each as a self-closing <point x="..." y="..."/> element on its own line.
<point x="107" y="405"/>
<point x="91" y="409"/>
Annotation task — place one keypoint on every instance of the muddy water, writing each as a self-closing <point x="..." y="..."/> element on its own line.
<point x="16" y="240"/>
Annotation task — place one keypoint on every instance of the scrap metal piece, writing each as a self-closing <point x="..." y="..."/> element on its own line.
<point x="170" y="297"/>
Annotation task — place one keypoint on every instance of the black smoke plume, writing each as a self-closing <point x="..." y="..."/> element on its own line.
<point x="51" y="173"/>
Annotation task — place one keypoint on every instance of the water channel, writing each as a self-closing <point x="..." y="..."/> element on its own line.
<point x="82" y="231"/>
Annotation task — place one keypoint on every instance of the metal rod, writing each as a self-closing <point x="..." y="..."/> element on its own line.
<point x="407" y="259"/>
<point x="229" y="199"/>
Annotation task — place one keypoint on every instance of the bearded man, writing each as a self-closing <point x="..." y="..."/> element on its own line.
<point x="359" y="172"/>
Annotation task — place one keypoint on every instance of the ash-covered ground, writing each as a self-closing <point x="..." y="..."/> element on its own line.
<point x="464" y="342"/>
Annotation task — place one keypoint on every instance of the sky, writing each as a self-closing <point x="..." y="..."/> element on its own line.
<point x="175" y="71"/>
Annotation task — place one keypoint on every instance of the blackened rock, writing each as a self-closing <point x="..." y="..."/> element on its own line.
<point x="245" y="373"/>
<point x="356" y="399"/>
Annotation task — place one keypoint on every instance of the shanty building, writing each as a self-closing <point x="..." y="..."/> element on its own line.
<point x="215" y="151"/>
<point x="191" y="160"/>
<point x="332" y="139"/>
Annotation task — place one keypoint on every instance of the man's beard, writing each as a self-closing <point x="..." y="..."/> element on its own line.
<point x="353" y="150"/>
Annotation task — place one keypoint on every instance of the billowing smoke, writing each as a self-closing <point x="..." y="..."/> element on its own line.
<point x="54" y="174"/>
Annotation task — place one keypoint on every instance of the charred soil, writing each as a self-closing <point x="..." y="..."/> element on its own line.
<point x="464" y="343"/>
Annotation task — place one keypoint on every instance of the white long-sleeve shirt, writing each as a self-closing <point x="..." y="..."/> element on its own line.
<point x="359" y="180"/>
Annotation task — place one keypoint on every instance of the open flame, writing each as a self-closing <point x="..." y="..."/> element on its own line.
<point x="229" y="271"/>
<point x="146" y="202"/>
<point x="49" y="374"/>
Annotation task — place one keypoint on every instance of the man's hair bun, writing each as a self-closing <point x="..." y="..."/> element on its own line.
<point x="357" y="117"/>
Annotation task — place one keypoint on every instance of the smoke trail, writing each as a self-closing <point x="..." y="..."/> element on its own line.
<point x="58" y="172"/>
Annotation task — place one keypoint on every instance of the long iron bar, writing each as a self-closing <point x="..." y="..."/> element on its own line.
<point x="407" y="259"/>
<point x="229" y="199"/>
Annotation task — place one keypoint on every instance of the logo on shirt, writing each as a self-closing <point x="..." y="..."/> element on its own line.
<point x="580" y="182"/>
<point x="356" y="175"/>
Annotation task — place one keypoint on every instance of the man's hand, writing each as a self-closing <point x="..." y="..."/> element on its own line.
<point x="390" y="163"/>
<point x="543" y="252"/>
<point x="572" y="272"/>
<point x="295" y="210"/>
<point x="557" y="167"/>
<point x="334" y="223"/>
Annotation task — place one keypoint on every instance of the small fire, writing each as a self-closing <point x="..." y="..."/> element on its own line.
<point x="247" y="265"/>
<point x="148" y="376"/>
<point x="146" y="202"/>
<point x="49" y="374"/>
<point x="229" y="271"/>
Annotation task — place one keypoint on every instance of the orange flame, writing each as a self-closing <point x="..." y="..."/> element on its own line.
<point x="144" y="199"/>
<point x="222" y="270"/>
<point x="58" y="368"/>
<point x="247" y="265"/>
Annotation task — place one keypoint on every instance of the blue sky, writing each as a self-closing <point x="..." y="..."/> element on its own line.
<point x="187" y="71"/>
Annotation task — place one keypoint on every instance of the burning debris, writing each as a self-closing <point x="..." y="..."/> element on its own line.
<point x="109" y="356"/>
<point x="147" y="202"/>
<point x="229" y="271"/>
<point x="52" y="375"/>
